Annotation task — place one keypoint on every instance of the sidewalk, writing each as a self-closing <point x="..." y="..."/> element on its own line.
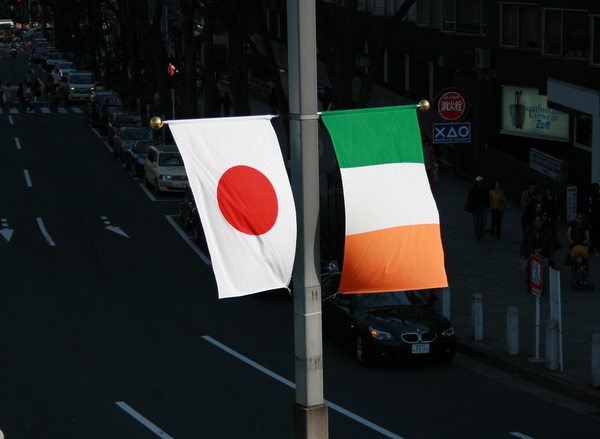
<point x="490" y="267"/>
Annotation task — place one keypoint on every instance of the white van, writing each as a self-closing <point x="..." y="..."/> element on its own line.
<point x="80" y="85"/>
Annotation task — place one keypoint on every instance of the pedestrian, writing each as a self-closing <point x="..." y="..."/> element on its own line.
<point x="36" y="91"/>
<point x="54" y="99"/>
<point x="478" y="202"/>
<point x="226" y="104"/>
<point x="578" y="232"/>
<point x="27" y="96"/>
<point x="594" y="213"/>
<point x="498" y="204"/>
<point x="8" y="100"/>
<point x="526" y="197"/>
<point x="536" y="241"/>
<point x="48" y="86"/>
<point x="21" y="94"/>
<point x="56" y="78"/>
<point x="29" y="78"/>
<point x="534" y="207"/>
<point x="551" y="203"/>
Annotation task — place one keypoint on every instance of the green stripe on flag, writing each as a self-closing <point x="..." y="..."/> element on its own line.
<point x="375" y="136"/>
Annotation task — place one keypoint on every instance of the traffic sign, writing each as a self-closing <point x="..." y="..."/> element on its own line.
<point x="452" y="105"/>
<point x="536" y="273"/>
<point x="452" y="132"/>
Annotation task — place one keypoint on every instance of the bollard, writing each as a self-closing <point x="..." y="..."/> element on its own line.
<point x="596" y="360"/>
<point x="512" y="330"/>
<point x="445" y="296"/>
<point x="477" y="316"/>
<point x="551" y="344"/>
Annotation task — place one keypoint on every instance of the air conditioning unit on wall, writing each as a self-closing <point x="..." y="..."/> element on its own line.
<point x="482" y="58"/>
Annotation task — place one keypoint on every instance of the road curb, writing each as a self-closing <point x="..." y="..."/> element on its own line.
<point x="520" y="367"/>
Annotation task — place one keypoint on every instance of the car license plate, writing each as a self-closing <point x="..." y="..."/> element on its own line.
<point x="420" y="349"/>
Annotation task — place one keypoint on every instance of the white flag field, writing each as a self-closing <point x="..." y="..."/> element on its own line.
<point x="243" y="195"/>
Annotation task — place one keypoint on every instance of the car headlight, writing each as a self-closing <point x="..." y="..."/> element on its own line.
<point x="380" y="335"/>
<point x="448" y="332"/>
<point x="166" y="177"/>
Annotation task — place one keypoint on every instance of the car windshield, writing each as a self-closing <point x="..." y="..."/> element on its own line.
<point x="114" y="101"/>
<point x="137" y="134"/>
<point x="170" y="159"/>
<point x="81" y="79"/>
<point x="394" y="298"/>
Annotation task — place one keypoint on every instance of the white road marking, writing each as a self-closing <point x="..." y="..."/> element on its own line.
<point x="288" y="383"/>
<point x="44" y="232"/>
<point x="27" y="178"/>
<point x="188" y="240"/>
<point x="521" y="435"/>
<point x="18" y="143"/>
<point x="5" y="231"/>
<point x="10" y="120"/>
<point x="146" y="423"/>
<point x="76" y="110"/>
<point x="112" y="228"/>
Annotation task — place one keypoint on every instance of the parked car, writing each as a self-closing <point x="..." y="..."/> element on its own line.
<point x="125" y="137"/>
<point x="136" y="156"/>
<point x="64" y="67"/>
<point x="52" y="59"/>
<point x="187" y="208"/>
<point x="94" y="103"/>
<point x="398" y="324"/>
<point x="164" y="169"/>
<point x="37" y="54"/>
<point x="120" y="119"/>
<point x="80" y="85"/>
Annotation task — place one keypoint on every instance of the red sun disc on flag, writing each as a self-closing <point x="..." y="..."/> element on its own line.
<point x="247" y="200"/>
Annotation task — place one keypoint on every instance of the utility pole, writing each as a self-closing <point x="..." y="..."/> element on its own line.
<point x="310" y="418"/>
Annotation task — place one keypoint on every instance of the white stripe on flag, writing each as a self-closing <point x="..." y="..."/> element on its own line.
<point x="385" y="196"/>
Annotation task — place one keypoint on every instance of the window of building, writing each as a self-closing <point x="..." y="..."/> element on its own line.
<point x="464" y="16"/>
<point x="429" y="13"/>
<point x="583" y="131"/>
<point x="566" y="33"/>
<point x="521" y="26"/>
<point x="596" y="40"/>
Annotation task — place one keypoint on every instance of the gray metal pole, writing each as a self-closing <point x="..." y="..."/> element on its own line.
<point x="309" y="412"/>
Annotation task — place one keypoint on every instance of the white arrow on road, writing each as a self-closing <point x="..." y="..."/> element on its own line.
<point x="113" y="228"/>
<point x="5" y="231"/>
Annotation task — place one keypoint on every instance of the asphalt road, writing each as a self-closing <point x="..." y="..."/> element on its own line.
<point x="110" y="324"/>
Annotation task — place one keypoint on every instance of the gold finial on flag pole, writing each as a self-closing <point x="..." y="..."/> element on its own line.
<point x="156" y="123"/>
<point x="424" y="105"/>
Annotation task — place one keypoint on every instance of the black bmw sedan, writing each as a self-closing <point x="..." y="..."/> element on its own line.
<point x="401" y="324"/>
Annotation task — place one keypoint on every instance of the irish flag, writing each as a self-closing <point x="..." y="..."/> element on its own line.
<point x="393" y="240"/>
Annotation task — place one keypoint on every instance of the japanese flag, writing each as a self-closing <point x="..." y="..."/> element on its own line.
<point x="242" y="191"/>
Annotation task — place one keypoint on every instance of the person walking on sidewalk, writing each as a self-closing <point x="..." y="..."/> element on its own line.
<point x="478" y="202"/>
<point x="537" y="241"/>
<point x="526" y="197"/>
<point x="497" y="201"/>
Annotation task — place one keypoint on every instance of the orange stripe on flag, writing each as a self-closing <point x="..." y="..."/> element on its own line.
<point x="396" y="259"/>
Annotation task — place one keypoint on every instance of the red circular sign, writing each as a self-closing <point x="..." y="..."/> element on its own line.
<point x="452" y="105"/>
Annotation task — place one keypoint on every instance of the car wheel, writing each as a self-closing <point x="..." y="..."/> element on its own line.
<point x="134" y="170"/>
<point x="364" y="355"/>
<point x="156" y="188"/>
<point x="146" y="181"/>
<point x="115" y="151"/>
<point x="127" y="165"/>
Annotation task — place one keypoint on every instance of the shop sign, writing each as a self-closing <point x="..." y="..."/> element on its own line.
<point x="526" y="113"/>
<point x="452" y="132"/>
